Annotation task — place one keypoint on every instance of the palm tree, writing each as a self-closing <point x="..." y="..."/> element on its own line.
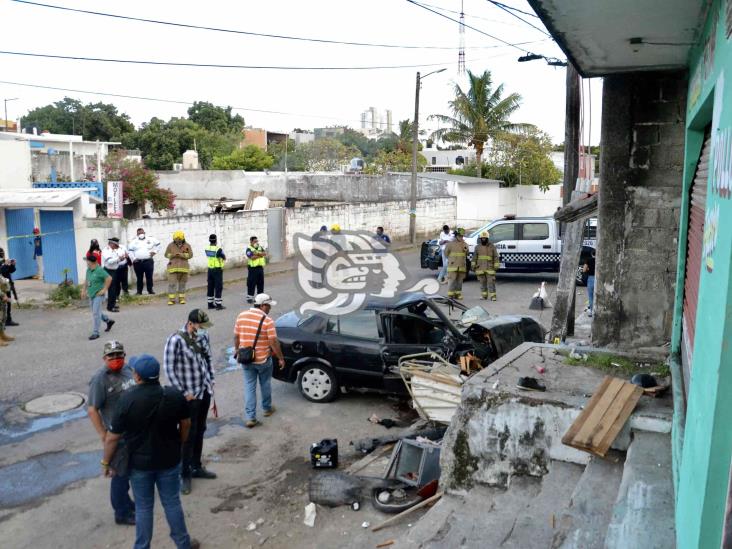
<point x="479" y="115"/>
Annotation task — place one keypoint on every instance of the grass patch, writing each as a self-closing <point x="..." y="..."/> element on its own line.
<point x="64" y="294"/>
<point x="134" y="299"/>
<point x="619" y="365"/>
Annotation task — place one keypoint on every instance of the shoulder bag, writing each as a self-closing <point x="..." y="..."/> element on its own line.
<point x="245" y="355"/>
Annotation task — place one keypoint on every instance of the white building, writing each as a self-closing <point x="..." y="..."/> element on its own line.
<point x="302" y="137"/>
<point x="374" y="123"/>
<point x="444" y="160"/>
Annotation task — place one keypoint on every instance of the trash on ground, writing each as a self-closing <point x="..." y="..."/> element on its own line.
<point x="529" y="384"/>
<point x="395" y="518"/>
<point x="365" y="524"/>
<point x="310" y="513"/>
<point x="387" y="543"/>
<point x="368" y="445"/>
<point x="414" y="463"/>
<point x="251" y="527"/>
<point x="386" y="422"/>
<point x="601" y="420"/>
<point x="333" y="488"/>
<point x="324" y="454"/>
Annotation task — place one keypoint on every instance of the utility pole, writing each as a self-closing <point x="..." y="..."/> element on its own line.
<point x="415" y="144"/>
<point x="571" y="156"/>
<point x="413" y="190"/>
<point x="5" y="120"/>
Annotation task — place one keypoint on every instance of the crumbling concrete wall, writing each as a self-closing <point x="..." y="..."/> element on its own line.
<point x="641" y="168"/>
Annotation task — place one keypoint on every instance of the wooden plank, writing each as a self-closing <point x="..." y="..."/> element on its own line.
<point x="596" y="413"/>
<point x="599" y="424"/>
<point x="612" y="433"/>
<point x="564" y="293"/>
<point x="582" y="417"/>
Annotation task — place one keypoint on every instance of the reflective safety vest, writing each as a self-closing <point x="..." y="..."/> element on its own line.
<point x="214" y="262"/>
<point x="258" y="262"/>
<point x="457" y="253"/>
<point x="486" y="259"/>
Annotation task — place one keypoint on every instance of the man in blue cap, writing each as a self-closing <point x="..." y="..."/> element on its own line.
<point x="154" y="422"/>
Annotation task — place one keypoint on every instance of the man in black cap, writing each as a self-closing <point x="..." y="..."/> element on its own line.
<point x="187" y="363"/>
<point x="154" y="422"/>
<point x="216" y="258"/>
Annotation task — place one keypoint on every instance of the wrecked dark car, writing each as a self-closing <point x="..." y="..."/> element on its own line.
<point x="361" y="350"/>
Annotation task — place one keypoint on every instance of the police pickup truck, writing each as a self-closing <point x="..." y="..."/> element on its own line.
<point x="524" y="245"/>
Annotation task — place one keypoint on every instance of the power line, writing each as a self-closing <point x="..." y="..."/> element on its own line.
<point x="235" y="31"/>
<point x="469" y="16"/>
<point x="223" y="66"/>
<point x="466" y="26"/>
<point x="173" y="101"/>
<point x="507" y="9"/>
<point x="514" y="9"/>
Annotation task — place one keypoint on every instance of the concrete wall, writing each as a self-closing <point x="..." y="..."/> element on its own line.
<point x="477" y="204"/>
<point x="638" y="208"/>
<point x="15" y="165"/>
<point x="393" y="216"/>
<point x="531" y="201"/>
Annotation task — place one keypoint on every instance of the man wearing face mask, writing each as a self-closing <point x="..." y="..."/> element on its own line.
<point x="486" y="265"/>
<point x="105" y="389"/>
<point x="187" y="364"/>
<point x="178" y="253"/>
<point x="141" y="252"/>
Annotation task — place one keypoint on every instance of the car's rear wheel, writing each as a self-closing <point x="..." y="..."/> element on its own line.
<point x="317" y="383"/>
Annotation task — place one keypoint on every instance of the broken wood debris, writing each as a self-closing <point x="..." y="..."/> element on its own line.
<point x="597" y="426"/>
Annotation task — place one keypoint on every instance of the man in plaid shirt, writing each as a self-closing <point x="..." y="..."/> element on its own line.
<point x="187" y="363"/>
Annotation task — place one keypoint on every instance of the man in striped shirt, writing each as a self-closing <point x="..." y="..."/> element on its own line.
<point x="245" y="332"/>
<point x="187" y="364"/>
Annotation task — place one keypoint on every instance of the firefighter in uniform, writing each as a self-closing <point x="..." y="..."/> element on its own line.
<point x="457" y="256"/>
<point x="178" y="253"/>
<point x="216" y="258"/>
<point x="486" y="265"/>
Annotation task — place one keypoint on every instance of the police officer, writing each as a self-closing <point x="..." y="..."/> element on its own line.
<point x="457" y="255"/>
<point x="256" y="260"/>
<point x="486" y="265"/>
<point x="216" y="259"/>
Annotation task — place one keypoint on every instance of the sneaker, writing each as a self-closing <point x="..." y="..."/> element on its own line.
<point x="11" y="323"/>
<point x="110" y="323"/>
<point x="250" y="299"/>
<point x="251" y="423"/>
<point x="185" y="485"/>
<point x="529" y="384"/>
<point x="202" y="472"/>
<point x="268" y="413"/>
<point x="93" y="336"/>
<point x="129" y="520"/>
<point x="211" y="306"/>
<point x="220" y="307"/>
<point x="494" y="298"/>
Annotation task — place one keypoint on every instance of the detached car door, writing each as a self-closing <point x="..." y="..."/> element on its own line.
<point x="352" y="343"/>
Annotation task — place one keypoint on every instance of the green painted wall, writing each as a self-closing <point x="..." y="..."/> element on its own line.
<point x="707" y="446"/>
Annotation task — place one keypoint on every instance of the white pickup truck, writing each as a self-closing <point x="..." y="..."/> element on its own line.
<point x="524" y="244"/>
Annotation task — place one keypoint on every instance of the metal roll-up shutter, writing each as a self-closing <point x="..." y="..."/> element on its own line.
<point x="694" y="246"/>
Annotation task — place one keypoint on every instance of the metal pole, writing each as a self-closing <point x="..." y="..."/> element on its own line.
<point x="5" y="120"/>
<point x="413" y="192"/>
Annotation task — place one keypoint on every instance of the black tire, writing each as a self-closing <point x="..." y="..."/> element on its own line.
<point x="317" y="382"/>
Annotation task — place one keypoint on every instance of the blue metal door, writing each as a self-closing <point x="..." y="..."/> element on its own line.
<point x="59" y="246"/>
<point x="19" y="224"/>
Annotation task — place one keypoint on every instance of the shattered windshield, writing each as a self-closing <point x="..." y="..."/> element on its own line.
<point x="473" y="315"/>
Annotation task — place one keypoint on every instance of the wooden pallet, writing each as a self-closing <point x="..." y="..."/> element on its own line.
<point x="598" y="425"/>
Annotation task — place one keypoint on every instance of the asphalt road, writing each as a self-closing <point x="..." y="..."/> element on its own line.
<point x="49" y="467"/>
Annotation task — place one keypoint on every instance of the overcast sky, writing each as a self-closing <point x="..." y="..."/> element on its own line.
<point x="314" y="98"/>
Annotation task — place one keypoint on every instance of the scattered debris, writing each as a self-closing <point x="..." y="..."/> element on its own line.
<point x="529" y="384"/>
<point x="324" y="454"/>
<point x="368" y="445"/>
<point x="385" y="544"/>
<point x="260" y="521"/>
<point x="310" y="513"/>
<point x="386" y="422"/>
<point x="365" y="524"/>
<point x="603" y="417"/>
<point x="644" y="380"/>
<point x="251" y="527"/>
<point x="395" y="518"/>
<point x="414" y="463"/>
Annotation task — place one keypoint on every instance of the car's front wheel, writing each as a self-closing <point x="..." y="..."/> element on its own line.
<point x="317" y="383"/>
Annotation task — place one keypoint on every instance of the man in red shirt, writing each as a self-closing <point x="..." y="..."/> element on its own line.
<point x="245" y="332"/>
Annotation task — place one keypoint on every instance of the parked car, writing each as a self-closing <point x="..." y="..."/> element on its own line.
<point x="361" y="350"/>
<point x="524" y="245"/>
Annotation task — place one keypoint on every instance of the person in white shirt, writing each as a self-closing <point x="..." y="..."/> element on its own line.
<point x="141" y="252"/>
<point x="123" y="271"/>
<point x="110" y="261"/>
<point x="445" y="237"/>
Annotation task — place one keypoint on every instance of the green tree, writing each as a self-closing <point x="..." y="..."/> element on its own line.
<point x="523" y="159"/>
<point x="250" y="158"/>
<point x="70" y="116"/>
<point x="393" y="161"/>
<point x="295" y="161"/>
<point x="479" y="115"/>
<point x="139" y="184"/>
<point x="325" y="155"/>
<point x="215" y="119"/>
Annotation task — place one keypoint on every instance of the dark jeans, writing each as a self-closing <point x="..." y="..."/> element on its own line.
<point x="255" y="279"/>
<point x="193" y="447"/>
<point x="144" y="268"/>
<point x="215" y="286"/>
<point x="123" y="276"/>
<point x="143" y="487"/>
<point x="119" y="495"/>
<point x="9" y="317"/>
<point x="113" y="292"/>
